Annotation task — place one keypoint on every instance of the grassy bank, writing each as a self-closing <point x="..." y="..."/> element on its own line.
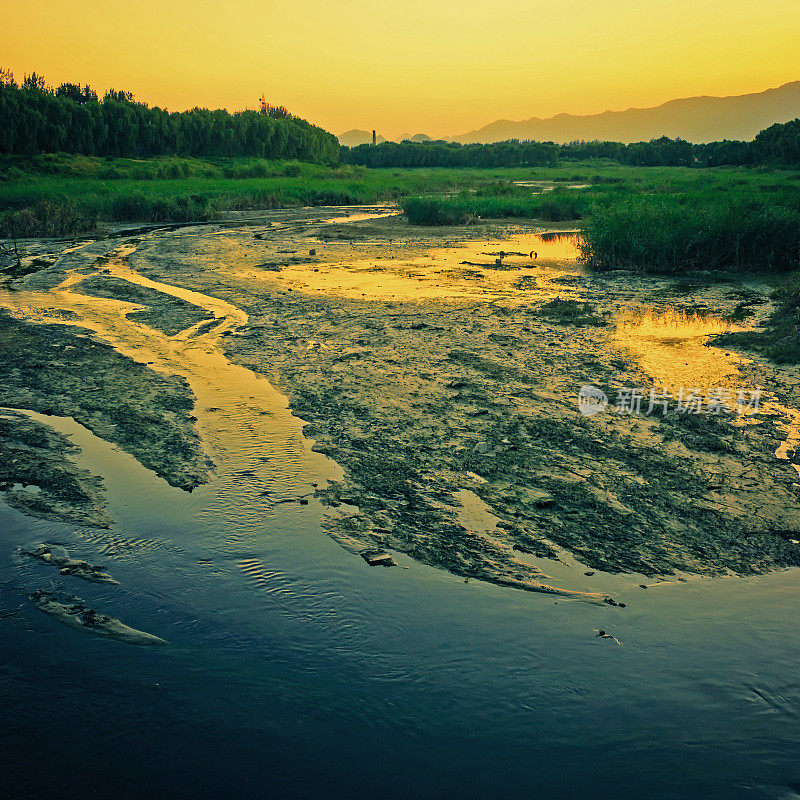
<point x="652" y="220"/>
<point x="665" y="219"/>
<point x="60" y="195"/>
<point x="466" y="208"/>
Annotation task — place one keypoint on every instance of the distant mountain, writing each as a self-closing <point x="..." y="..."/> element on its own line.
<point x="356" y="137"/>
<point x="417" y="137"/>
<point x="696" y="119"/>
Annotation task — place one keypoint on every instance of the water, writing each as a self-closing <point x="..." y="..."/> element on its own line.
<point x="297" y="670"/>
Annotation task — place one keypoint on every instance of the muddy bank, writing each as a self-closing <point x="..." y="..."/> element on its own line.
<point x="423" y="379"/>
<point x="62" y="370"/>
<point x="445" y="384"/>
<point x="38" y="474"/>
<point x="170" y="315"/>
<point x="73" y="612"/>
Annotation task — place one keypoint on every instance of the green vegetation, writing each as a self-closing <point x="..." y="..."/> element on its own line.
<point x="669" y="234"/>
<point x="777" y="144"/>
<point x="667" y="219"/>
<point x="468" y="206"/>
<point x="62" y="194"/>
<point x="450" y="154"/>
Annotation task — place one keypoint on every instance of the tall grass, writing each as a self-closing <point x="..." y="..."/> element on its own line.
<point x="46" y="218"/>
<point x="652" y="234"/>
<point x="464" y="208"/>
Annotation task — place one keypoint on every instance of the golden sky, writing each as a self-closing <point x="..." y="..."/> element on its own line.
<point x="406" y="66"/>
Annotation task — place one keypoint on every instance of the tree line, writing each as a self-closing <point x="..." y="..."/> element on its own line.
<point x="70" y="118"/>
<point x="449" y="154"/>
<point x="779" y="143"/>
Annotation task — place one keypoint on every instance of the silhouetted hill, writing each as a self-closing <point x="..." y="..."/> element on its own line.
<point x="417" y="137"/>
<point x="356" y="137"/>
<point x="696" y="119"/>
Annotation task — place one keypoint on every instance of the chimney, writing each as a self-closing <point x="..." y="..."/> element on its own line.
<point x="374" y="138"/>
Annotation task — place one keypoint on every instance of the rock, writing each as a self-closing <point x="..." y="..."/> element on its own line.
<point x="73" y="612"/>
<point x="378" y="558"/>
<point x="59" y="557"/>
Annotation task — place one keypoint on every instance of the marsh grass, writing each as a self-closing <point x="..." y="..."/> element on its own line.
<point x="47" y="218"/>
<point x="169" y="189"/>
<point x="678" y="234"/>
<point x="466" y="207"/>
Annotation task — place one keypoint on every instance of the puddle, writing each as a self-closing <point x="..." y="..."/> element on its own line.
<point x="671" y="346"/>
<point x="361" y="217"/>
<point x="478" y="270"/>
<point x="549" y="186"/>
<point x="28" y="487"/>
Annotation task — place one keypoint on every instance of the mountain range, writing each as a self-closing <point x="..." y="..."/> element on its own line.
<point x="696" y="119"/>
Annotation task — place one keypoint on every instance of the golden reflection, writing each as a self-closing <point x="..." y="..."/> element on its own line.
<point x="483" y="270"/>
<point x="672" y="347"/>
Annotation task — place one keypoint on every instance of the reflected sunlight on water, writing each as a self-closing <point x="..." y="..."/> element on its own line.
<point x="672" y="347"/>
<point x="481" y="270"/>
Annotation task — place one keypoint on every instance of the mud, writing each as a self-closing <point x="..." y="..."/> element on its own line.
<point x="38" y="474"/>
<point x="63" y="370"/>
<point x="438" y="388"/>
<point x="60" y="557"/>
<point x="171" y="315"/>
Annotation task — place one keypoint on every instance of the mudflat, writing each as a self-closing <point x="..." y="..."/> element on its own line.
<point x="441" y="369"/>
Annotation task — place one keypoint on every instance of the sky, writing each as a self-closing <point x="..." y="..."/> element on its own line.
<point x="439" y="67"/>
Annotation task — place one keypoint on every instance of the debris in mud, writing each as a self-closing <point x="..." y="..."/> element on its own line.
<point x="377" y="558"/>
<point x="73" y="612"/>
<point x="59" y="557"/>
<point x="496" y="264"/>
<point x="572" y="312"/>
<point x="601" y="634"/>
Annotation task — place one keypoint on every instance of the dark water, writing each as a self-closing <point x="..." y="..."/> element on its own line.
<point x="296" y="670"/>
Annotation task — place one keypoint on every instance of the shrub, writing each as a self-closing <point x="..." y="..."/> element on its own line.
<point x="431" y="211"/>
<point x="47" y="218"/>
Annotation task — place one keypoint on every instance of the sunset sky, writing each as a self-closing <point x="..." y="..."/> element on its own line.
<point x="434" y="66"/>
